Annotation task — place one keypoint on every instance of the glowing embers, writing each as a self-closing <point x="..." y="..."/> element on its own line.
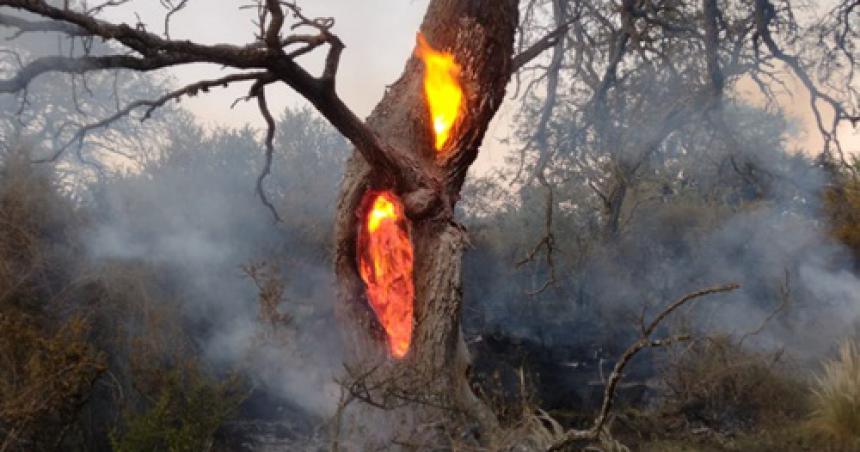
<point x="442" y="89"/>
<point x="385" y="263"/>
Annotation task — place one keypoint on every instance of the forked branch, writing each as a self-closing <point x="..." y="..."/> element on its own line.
<point x="271" y="57"/>
<point x="645" y="341"/>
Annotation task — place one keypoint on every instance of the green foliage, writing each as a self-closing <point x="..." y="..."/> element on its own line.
<point x="836" y="398"/>
<point x="186" y="412"/>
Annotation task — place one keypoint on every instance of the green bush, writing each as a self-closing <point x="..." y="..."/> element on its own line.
<point x="187" y="411"/>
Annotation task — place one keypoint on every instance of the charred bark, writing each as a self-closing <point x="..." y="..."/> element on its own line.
<point x="480" y="35"/>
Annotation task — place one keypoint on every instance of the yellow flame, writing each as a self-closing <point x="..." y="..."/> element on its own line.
<point x="385" y="264"/>
<point x="442" y="88"/>
<point x="382" y="209"/>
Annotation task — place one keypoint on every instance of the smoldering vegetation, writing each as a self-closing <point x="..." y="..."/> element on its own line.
<point x="697" y="216"/>
<point x="555" y="297"/>
<point x="163" y="307"/>
<point x="169" y="284"/>
<point x="148" y="301"/>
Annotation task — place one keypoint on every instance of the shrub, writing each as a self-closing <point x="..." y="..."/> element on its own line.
<point x="836" y="398"/>
<point x="189" y="407"/>
<point x="46" y="378"/>
<point x="842" y="207"/>
<point x="719" y="385"/>
<point x="49" y="364"/>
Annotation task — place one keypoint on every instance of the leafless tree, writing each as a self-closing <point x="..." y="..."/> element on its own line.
<point x="635" y="74"/>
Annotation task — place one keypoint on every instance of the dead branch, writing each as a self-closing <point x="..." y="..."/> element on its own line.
<point x="171" y="10"/>
<point x="145" y="51"/>
<point x="151" y="105"/>
<point x="386" y="388"/>
<point x="785" y="301"/>
<point x="259" y="92"/>
<point x="644" y="342"/>
<point x="25" y="26"/>
<point x="541" y="137"/>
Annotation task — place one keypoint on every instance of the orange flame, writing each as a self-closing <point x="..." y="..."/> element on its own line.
<point x="442" y="88"/>
<point x="385" y="265"/>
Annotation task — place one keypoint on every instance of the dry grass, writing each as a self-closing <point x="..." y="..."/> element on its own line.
<point x="836" y="398"/>
<point x="716" y="384"/>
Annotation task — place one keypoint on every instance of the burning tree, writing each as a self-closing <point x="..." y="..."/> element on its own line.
<point x="398" y="245"/>
<point x="398" y="250"/>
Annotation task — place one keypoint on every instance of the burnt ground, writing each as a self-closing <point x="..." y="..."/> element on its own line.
<point x="558" y="376"/>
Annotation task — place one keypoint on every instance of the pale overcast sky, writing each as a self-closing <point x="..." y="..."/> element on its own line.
<point x="379" y="35"/>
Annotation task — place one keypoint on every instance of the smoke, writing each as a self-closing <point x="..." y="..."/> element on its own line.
<point x="168" y="194"/>
<point x="193" y="215"/>
<point x="703" y="210"/>
<point x="55" y="106"/>
<point x="700" y="211"/>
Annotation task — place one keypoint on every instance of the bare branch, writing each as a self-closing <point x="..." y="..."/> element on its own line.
<point x="83" y="64"/>
<point x="543" y="44"/>
<point x="155" y="52"/>
<point x="171" y="11"/>
<point x="151" y="105"/>
<point x="541" y="141"/>
<point x="644" y="342"/>
<point x="259" y="92"/>
<point x="273" y="33"/>
<point x="764" y="15"/>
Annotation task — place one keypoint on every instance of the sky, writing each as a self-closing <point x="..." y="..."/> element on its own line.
<point x="379" y="36"/>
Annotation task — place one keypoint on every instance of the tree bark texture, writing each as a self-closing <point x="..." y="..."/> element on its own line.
<point x="480" y="35"/>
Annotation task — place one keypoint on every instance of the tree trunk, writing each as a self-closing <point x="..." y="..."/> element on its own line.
<point x="432" y="378"/>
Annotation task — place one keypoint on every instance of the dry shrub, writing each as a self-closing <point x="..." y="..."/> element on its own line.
<point x="66" y="320"/>
<point x="722" y="397"/>
<point x="35" y="225"/>
<point x="836" y="398"/>
<point x="842" y="206"/>
<point x="45" y="379"/>
<point x="49" y="365"/>
<point x="167" y="398"/>
<point x="270" y="296"/>
<point x="716" y="384"/>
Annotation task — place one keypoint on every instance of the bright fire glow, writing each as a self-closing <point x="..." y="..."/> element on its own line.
<point x="385" y="265"/>
<point x="442" y="88"/>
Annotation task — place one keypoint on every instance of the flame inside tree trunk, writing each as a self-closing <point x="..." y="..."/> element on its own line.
<point x="442" y="89"/>
<point x="479" y="35"/>
<point x="385" y="265"/>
